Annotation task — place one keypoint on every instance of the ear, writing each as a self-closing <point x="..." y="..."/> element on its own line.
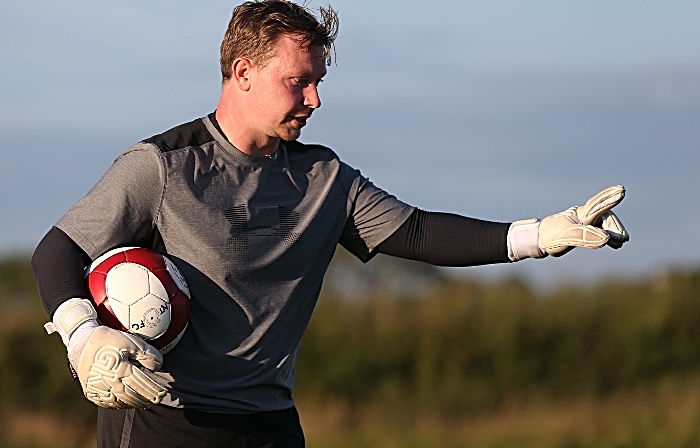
<point x="241" y="73"/>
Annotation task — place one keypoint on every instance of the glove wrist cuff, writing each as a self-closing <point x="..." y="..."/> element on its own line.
<point x="523" y="240"/>
<point x="70" y="315"/>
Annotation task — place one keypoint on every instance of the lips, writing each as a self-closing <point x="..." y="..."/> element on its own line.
<point x="300" y="121"/>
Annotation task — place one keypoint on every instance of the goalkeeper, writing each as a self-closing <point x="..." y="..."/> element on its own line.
<point x="252" y="217"/>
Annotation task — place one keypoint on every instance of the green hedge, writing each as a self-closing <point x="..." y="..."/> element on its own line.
<point x="421" y="339"/>
<point x="33" y="371"/>
<point x="467" y="347"/>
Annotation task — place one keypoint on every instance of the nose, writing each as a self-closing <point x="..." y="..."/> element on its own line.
<point x="311" y="98"/>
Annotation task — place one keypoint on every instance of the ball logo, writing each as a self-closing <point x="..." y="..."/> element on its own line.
<point x="151" y="318"/>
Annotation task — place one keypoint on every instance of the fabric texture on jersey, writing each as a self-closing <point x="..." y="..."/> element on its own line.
<point x="167" y="427"/>
<point x="253" y="237"/>
<point x="445" y="239"/>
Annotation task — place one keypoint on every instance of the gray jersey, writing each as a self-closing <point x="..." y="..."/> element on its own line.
<point x="252" y="235"/>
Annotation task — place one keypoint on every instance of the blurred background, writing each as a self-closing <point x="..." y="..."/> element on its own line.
<point x="498" y="110"/>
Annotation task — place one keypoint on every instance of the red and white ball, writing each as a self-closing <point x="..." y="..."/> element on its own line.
<point x="141" y="292"/>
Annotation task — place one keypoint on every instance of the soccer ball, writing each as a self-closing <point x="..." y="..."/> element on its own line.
<point x="141" y="292"/>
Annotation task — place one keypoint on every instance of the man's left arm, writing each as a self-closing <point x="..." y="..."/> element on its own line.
<point x="445" y="239"/>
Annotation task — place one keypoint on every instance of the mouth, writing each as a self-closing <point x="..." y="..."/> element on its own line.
<point x="299" y="121"/>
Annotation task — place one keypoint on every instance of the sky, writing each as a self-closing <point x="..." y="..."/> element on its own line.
<point x="499" y="110"/>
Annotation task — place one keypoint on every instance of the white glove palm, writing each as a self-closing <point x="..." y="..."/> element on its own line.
<point x="106" y="360"/>
<point x="592" y="225"/>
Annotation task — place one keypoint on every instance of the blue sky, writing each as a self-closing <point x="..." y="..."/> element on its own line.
<point x="500" y="110"/>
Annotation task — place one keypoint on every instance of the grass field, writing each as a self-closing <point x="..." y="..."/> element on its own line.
<point x="661" y="415"/>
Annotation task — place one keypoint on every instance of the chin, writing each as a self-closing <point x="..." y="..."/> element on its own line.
<point x="289" y="135"/>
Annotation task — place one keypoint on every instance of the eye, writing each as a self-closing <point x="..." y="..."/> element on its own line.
<point x="303" y="82"/>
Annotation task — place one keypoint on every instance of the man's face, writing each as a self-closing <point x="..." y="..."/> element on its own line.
<point x="284" y="90"/>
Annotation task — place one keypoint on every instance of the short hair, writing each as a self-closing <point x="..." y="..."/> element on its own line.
<point x="256" y="26"/>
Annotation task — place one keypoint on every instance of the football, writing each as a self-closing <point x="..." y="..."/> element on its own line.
<point x="141" y="292"/>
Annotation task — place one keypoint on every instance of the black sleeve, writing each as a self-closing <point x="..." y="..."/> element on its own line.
<point x="59" y="265"/>
<point x="445" y="239"/>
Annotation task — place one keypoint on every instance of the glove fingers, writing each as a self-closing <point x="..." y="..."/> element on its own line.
<point x="144" y="353"/>
<point x="131" y="399"/>
<point x="108" y="377"/>
<point x="602" y="202"/>
<point x="576" y="236"/>
<point x="139" y="387"/>
<point x="613" y="226"/>
<point x="145" y="360"/>
<point x="101" y="393"/>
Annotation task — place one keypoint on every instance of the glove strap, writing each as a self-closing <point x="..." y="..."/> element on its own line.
<point x="69" y="316"/>
<point x="523" y="240"/>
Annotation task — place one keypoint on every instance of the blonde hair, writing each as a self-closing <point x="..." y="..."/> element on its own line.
<point x="256" y="26"/>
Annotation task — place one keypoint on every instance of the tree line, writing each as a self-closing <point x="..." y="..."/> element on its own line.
<point x="398" y="333"/>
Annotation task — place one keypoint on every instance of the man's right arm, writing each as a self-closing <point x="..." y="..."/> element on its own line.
<point x="107" y="362"/>
<point x="59" y="266"/>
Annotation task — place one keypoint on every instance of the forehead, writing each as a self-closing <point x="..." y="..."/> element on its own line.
<point x="289" y="54"/>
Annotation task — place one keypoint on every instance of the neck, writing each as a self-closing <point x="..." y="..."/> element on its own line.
<point x="235" y="130"/>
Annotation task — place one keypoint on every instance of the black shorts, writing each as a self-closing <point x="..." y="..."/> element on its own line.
<point x="166" y="427"/>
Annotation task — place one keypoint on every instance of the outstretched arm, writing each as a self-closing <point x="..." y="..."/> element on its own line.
<point x="445" y="239"/>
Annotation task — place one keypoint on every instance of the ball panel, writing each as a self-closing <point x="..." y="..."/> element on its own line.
<point x="109" y="254"/>
<point x="148" y="258"/>
<point x="108" y="318"/>
<point x="149" y="317"/>
<point x="163" y="346"/>
<point x="107" y="261"/>
<point x="169" y="288"/>
<point x="127" y="283"/>
<point x="157" y="286"/>
<point x="177" y="276"/>
<point x="96" y="286"/>
<point x="180" y="311"/>
<point x="121" y="311"/>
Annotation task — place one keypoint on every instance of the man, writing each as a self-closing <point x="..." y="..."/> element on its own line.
<point x="252" y="218"/>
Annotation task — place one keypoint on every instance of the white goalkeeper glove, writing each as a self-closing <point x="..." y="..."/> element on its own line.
<point x="107" y="361"/>
<point x="592" y="225"/>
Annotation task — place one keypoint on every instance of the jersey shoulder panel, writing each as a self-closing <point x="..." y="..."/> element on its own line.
<point x="194" y="133"/>
<point x="299" y="147"/>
